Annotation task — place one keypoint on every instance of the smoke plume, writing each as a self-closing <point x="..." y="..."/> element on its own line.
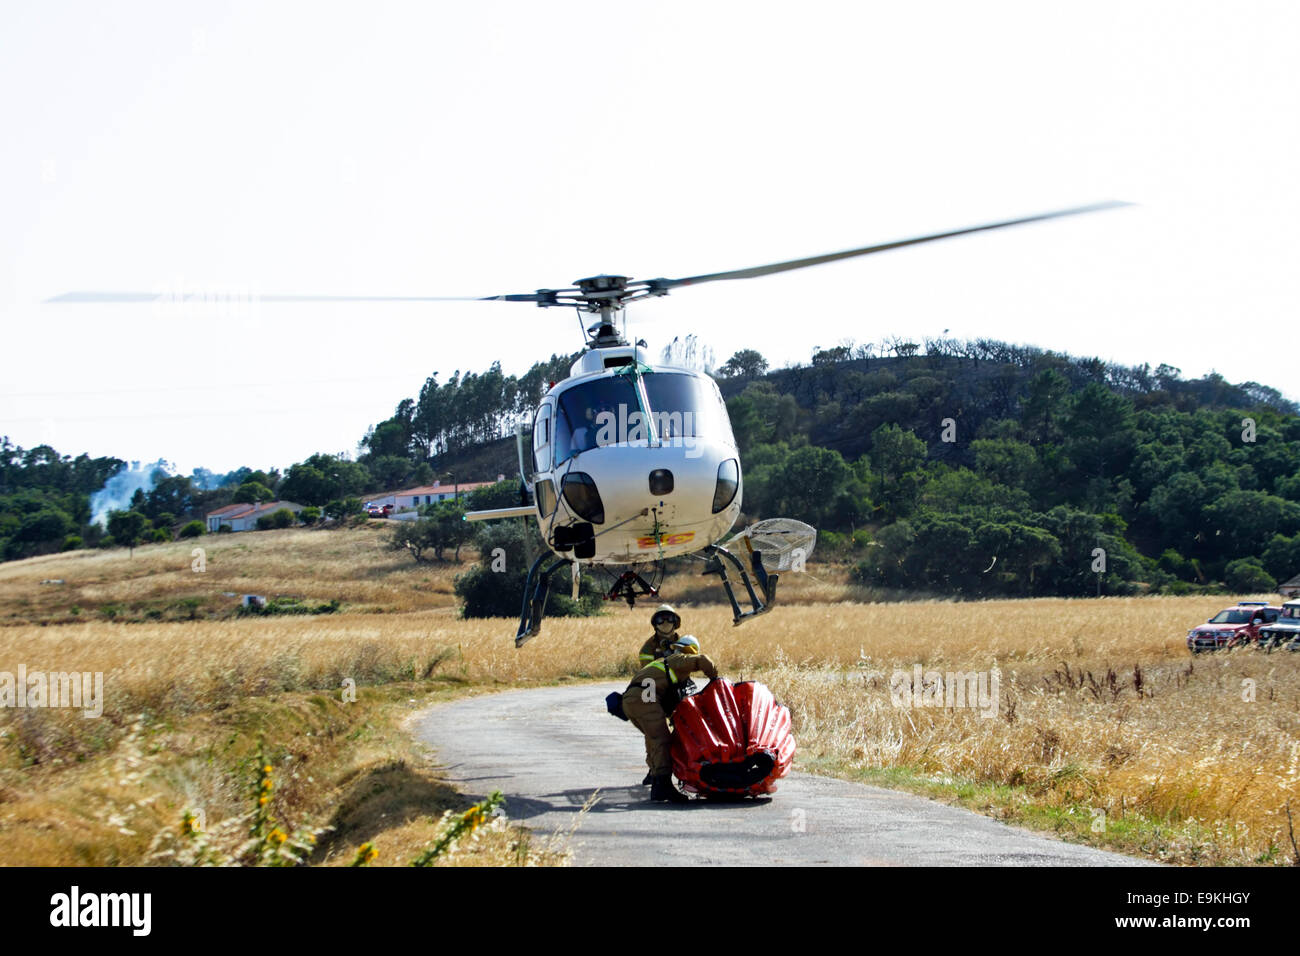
<point x="118" y="490"/>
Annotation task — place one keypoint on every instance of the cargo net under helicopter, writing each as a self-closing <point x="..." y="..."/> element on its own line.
<point x="784" y="543"/>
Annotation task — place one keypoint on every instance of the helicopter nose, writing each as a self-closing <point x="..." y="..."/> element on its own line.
<point x="661" y="481"/>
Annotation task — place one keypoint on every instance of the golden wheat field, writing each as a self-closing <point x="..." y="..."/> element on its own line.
<point x="1101" y="713"/>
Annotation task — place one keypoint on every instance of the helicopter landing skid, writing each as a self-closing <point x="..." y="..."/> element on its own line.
<point x="717" y="564"/>
<point x="536" y="590"/>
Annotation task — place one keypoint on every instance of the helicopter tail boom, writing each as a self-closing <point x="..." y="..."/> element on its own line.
<point x="492" y="514"/>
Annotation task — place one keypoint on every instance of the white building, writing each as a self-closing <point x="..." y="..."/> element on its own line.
<point x="243" y="517"/>
<point x="411" y="499"/>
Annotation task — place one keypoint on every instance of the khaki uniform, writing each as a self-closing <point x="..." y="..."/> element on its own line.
<point x="654" y="648"/>
<point x="648" y="715"/>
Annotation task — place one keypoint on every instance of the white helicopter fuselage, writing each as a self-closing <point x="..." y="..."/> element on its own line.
<point x="646" y="456"/>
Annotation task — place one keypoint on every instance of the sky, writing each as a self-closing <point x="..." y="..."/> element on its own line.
<point x="477" y="149"/>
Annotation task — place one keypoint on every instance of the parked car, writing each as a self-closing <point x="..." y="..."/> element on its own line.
<point x="376" y="511"/>
<point x="1285" y="631"/>
<point x="1236" y="626"/>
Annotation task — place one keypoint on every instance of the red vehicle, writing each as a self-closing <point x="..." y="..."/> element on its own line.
<point x="1232" y="627"/>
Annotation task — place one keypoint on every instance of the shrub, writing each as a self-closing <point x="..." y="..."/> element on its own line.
<point x="485" y="592"/>
<point x="289" y="605"/>
<point x="192" y="530"/>
<point x="1248" y="576"/>
<point x="282" y="518"/>
<point x="309" y="515"/>
<point x="72" y="542"/>
<point x="488" y="593"/>
<point x="341" y="509"/>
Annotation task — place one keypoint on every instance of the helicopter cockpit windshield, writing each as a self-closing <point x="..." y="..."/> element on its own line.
<point x="609" y="411"/>
<point x="578" y="422"/>
<point x="686" y="406"/>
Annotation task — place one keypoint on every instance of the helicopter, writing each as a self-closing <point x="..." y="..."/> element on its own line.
<point x="628" y="463"/>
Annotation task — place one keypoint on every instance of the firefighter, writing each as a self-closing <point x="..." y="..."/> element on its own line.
<point x="664" y="621"/>
<point x="649" y="700"/>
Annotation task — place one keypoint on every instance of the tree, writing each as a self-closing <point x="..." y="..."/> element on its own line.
<point x="174" y="494"/>
<point x="389" y="439"/>
<point x="501" y="494"/>
<point x="886" y="561"/>
<point x="322" y="478"/>
<point x="810" y="483"/>
<point x="747" y="363"/>
<point x="1282" y="557"/>
<point x="1099" y="435"/>
<point x="308" y="485"/>
<point x="48" y="524"/>
<point x="1044" y="405"/>
<point x="1005" y="461"/>
<point x="252" y="492"/>
<point x="453" y="530"/>
<point x="421" y="538"/>
<point x="1247" y="576"/>
<point x="896" y="457"/>
<point x="127" y="527"/>
<point x="1080" y="534"/>
<point x="1242" y="522"/>
<point x="390" y="471"/>
<point x="840" y="353"/>
<point x="760" y="415"/>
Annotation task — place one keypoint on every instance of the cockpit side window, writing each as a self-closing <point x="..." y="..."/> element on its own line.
<point x="542" y="439"/>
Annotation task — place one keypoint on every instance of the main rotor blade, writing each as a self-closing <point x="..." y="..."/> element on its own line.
<point x="756" y="271"/>
<point x="182" y="295"/>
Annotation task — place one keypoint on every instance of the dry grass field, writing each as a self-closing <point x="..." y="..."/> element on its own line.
<point x="1104" y="729"/>
<point x="160" y="583"/>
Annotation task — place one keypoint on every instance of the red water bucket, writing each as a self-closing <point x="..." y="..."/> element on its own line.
<point x="732" y="739"/>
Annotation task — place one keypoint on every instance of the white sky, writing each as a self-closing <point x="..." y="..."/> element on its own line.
<point x="474" y="149"/>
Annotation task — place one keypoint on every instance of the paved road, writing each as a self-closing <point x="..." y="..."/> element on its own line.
<point x="548" y="750"/>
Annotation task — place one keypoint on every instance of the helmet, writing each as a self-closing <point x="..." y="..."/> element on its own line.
<point x="686" y="644"/>
<point x="666" y="610"/>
